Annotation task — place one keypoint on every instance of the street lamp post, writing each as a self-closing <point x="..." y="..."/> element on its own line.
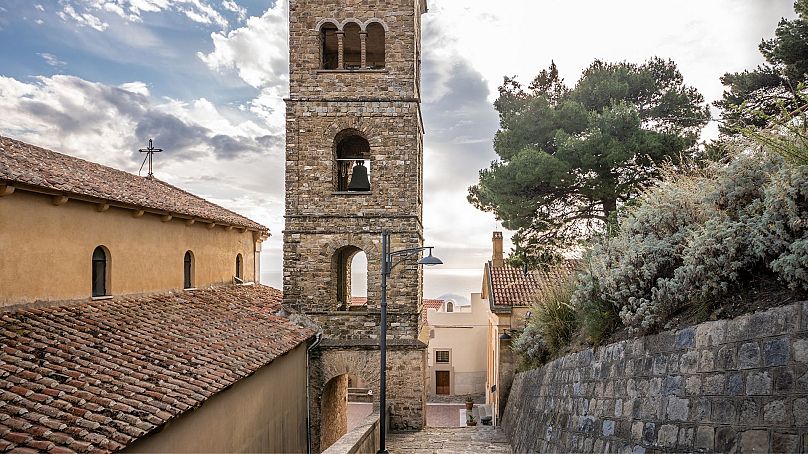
<point x="387" y="266"/>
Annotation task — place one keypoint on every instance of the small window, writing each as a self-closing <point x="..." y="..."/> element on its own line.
<point x="100" y="269"/>
<point x="188" y="270"/>
<point x="374" y="46"/>
<point x="330" y="46"/>
<point x="239" y="268"/>
<point x="442" y="356"/>
<point x="352" y="46"/>
<point x="449" y="307"/>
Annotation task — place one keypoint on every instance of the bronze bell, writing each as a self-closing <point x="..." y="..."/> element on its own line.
<point x="359" y="178"/>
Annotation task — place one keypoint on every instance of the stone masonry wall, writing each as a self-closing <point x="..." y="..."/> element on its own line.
<point x="406" y="395"/>
<point x="737" y="385"/>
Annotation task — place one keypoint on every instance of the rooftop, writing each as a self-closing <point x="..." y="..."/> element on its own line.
<point x="511" y="286"/>
<point x="97" y="376"/>
<point x="36" y="168"/>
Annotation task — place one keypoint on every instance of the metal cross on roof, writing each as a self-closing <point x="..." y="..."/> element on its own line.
<point x="149" y="153"/>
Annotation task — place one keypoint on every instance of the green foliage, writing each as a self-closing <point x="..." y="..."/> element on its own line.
<point x="598" y="319"/>
<point x="570" y="157"/>
<point x="694" y="239"/>
<point x="530" y="347"/>
<point x="555" y="318"/>
<point x="787" y="132"/>
<point x="773" y="86"/>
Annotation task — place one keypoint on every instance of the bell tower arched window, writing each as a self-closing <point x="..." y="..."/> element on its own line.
<point x="100" y="283"/>
<point x="374" y="46"/>
<point x="329" y="43"/>
<point x="352" y="46"/>
<point x="353" y="162"/>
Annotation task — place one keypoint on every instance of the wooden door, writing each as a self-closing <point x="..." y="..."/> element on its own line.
<point x="442" y="382"/>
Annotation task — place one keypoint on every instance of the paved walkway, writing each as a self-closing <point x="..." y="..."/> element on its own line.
<point x="476" y="440"/>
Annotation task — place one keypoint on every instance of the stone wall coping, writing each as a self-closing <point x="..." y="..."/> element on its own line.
<point x="359" y="70"/>
<point x="352" y="441"/>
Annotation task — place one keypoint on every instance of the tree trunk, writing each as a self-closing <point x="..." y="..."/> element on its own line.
<point x="609" y="207"/>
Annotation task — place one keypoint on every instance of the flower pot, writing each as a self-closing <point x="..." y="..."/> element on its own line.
<point x="471" y="423"/>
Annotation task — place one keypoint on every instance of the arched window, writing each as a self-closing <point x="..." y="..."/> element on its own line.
<point x="374" y="46"/>
<point x="352" y="46"/>
<point x="349" y="262"/>
<point x="330" y="46"/>
<point x="449" y="307"/>
<point x="239" y="267"/>
<point x="100" y="282"/>
<point x="188" y="270"/>
<point x="353" y="162"/>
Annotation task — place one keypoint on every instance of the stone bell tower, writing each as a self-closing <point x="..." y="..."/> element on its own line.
<point x="354" y="167"/>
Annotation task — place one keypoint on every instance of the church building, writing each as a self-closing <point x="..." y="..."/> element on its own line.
<point x="133" y="317"/>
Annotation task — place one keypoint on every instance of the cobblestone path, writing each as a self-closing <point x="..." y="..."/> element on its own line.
<point x="479" y="439"/>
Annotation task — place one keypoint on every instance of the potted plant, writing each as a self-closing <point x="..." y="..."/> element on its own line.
<point x="470" y="421"/>
<point x="469" y="403"/>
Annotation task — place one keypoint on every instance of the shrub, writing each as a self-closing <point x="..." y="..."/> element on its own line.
<point x="693" y="239"/>
<point x="555" y="317"/>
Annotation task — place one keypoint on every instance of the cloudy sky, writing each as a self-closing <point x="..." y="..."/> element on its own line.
<point x="206" y="78"/>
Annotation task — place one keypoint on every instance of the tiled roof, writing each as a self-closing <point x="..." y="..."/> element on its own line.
<point x="96" y="376"/>
<point x="359" y="300"/>
<point x="31" y="165"/>
<point x="431" y="304"/>
<point x="512" y="287"/>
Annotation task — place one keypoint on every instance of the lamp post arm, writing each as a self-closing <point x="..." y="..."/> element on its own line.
<point x="402" y="256"/>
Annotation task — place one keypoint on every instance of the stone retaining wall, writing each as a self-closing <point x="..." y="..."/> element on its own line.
<point x="737" y="385"/>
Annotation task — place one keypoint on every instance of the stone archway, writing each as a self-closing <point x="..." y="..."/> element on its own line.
<point x="334" y="411"/>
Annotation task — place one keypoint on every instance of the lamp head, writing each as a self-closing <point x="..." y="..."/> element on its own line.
<point x="430" y="260"/>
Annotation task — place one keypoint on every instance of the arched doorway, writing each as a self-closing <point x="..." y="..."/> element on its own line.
<point x="334" y="411"/>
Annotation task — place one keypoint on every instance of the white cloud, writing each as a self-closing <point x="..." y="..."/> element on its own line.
<point x="85" y="19"/>
<point x="51" y="59"/>
<point x="85" y="12"/>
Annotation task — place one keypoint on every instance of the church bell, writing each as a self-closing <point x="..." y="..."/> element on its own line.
<point x="359" y="178"/>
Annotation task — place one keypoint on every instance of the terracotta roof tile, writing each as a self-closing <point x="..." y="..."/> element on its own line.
<point x="27" y="164"/>
<point x="96" y="376"/>
<point x="430" y="304"/>
<point x="512" y="287"/>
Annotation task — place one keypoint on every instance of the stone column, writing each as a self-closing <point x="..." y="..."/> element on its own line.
<point x="340" y="48"/>
<point x="363" y="37"/>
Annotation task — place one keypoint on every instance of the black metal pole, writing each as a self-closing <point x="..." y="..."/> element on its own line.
<point x="383" y="343"/>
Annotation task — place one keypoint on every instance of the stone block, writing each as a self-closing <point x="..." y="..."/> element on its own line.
<point x="782" y="380"/>
<point x="707" y="361"/>
<point x="749" y="355"/>
<point x="800" y="347"/>
<point x="777" y="412"/>
<point x="758" y="383"/>
<point x="700" y="410"/>
<point x="637" y="430"/>
<point x="686" y="436"/>
<point x="660" y="364"/>
<point x="726" y="439"/>
<point x="748" y="412"/>
<point x="785" y="442"/>
<point x="776" y="352"/>
<point x="804" y="322"/>
<point x="693" y="385"/>
<point x="668" y="434"/>
<point x="723" y="411"/>
<point x="686" y="338"/>
<point x="638" y="449"/>
<point x="608" y="428"/>
<point x="714" y="384"/>
<point x="705" y="437"/>
<point x="689" y="362"/>
<point x="754" y="441"/>
<point x="710" y="334"/>
<point x="618" y="408"/>
<point x="801" y="412"/>
<point x="734" y="384"/>
<point x="649" y="433"/>
<point x="726" y="358"/>
<point x="678" y="409"/>
<point x="671" y="385"/>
